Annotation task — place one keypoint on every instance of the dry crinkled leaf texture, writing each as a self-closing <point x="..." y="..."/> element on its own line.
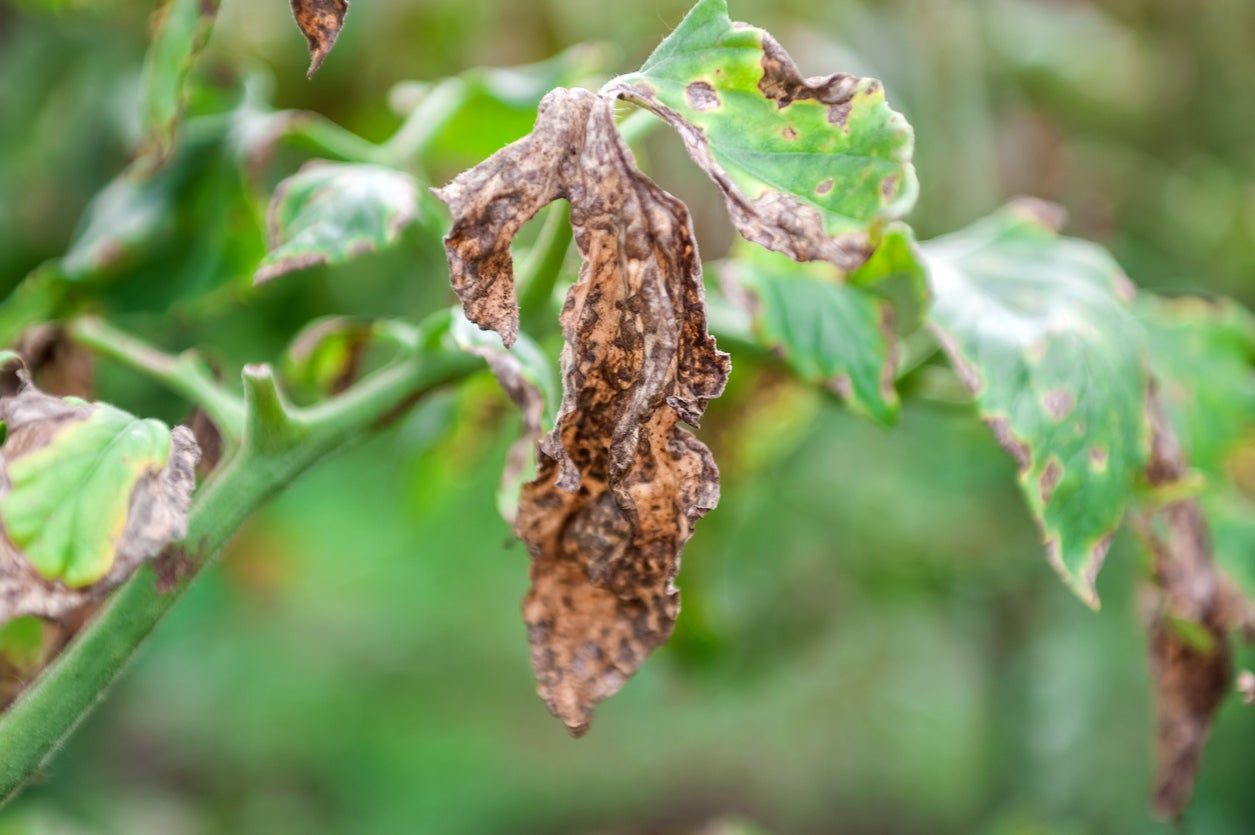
<point x="154" y="515"/>
<point x="620" y="484"/>
<point x="321" y="21"/>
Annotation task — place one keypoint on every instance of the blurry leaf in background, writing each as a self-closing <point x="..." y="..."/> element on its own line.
<point x="811" y="168"/>
<point x="330" y="213"/>
<point x="1040" y="331"/>
<point x="831" y="333"/>
<point x="181" y="29"/>
<point x="1203" y="356"/>
<point x="320" y="21"/>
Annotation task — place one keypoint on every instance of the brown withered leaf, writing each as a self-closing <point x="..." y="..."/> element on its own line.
<point x="321" y="21"/>
<point x="57" y="363"/>
<point x="87" y="453"/>
<point x="1188" y="624"/>
<point x="620" y="483"/>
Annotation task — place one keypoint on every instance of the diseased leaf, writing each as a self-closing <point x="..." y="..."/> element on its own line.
<point x="830" y="333"/>
<point x="1203" y="355"/>
<point x="1039" y="329"/>
<point x="620" y="484"/>
<point x="320" y="21"/>
<point x="1188" y="621"/>
<point x="526" y="376"/>
<point x="329" y="213"/>
<point x="87" y="493"/>
<point x="181" y="29"/>
<point x="809" y="167"/>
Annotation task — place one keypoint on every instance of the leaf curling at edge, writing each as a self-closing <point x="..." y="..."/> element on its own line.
<point x="138" y="475"/>
<point x="523" y="372"/>
<point x="328" y="213"/>
<point x="620" y="483"/>
<point x="1039" y="329"/>
<point x="813" y="168"/>
<point x="320" y="21"/>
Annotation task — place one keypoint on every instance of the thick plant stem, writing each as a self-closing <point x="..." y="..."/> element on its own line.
<point x="278" y="444"/>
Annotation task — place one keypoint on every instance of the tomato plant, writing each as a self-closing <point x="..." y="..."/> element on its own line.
<point x="1118" y="406"/>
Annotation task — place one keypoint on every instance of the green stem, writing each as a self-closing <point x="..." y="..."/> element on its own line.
<point x="38" y="298"/>
<point x="540" y="270"/>
<point x="278" y="444"/>
<point x="331" y="139"/>
<point x="420" y="128"/>
<point x="185" y="375"/>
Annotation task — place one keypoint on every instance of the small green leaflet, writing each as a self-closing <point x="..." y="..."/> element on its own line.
<point x="830" y="333"/>
<point x="68" y="502"/>
<point x="1203" y="357"/>
<point x="183" y="27"/>
<point x="812" y="168"/>
<point x="329" y="213"/>
<point x="1039" y="329"/>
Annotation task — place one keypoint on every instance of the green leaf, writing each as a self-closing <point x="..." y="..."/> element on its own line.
<point x="182" y="28"/>
<point x="68" y="503"/>
<point x="831" y="334"/>
<point x="1203" y="358"/>
<point x="329" y="213"/>
<point x="1039" y="329"/>
<point x="810" y="167"/>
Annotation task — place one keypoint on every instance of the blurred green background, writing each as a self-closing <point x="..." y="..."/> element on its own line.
<point x="872" y="641"/>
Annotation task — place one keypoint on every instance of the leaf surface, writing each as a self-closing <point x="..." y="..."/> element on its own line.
<point x="809" y="167"/>
<point x="620" y="483"/>
<point x="88" y="493"/>
<point x="1040" y="331"/>
<point x="182" y="29"/>
<point x="329" y="213"/>
<point x="830" y="333"/>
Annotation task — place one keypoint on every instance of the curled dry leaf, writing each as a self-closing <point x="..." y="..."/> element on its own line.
<point x="321" y="21"/>
<point x="87" y="493"/>
<point x="809" y="167"/>
<point x="620" y="483"/>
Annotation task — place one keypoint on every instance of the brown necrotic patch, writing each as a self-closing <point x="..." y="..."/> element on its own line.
<point x="320" y="21"/>
<point x="620" y="483"/>
<point x="701" y="96"/>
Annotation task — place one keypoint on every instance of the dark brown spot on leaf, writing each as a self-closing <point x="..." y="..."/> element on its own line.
<point x="701" y="96"/>
<point x="1050" y="479"/>
<point x="789" y="133"/>
<point x="1058" y="403"/>
<point x="824" y="187"/>
<point x="321" y="21"/>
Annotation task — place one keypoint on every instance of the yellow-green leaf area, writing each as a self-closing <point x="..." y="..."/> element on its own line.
<point x="1039" y="328"/>
<point x="850" y="160"/>
<point x="68" y="502"/>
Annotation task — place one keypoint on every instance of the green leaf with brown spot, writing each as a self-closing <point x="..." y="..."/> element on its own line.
<point x="1203" y="357"/>
<point x="830" y="333"/>
<point x="809" y="167"/>
<point x="1039" y="328"/>
<point x="181" y="29"/>
<point x="87" y="492"/>
<point x="329" y="213"/>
